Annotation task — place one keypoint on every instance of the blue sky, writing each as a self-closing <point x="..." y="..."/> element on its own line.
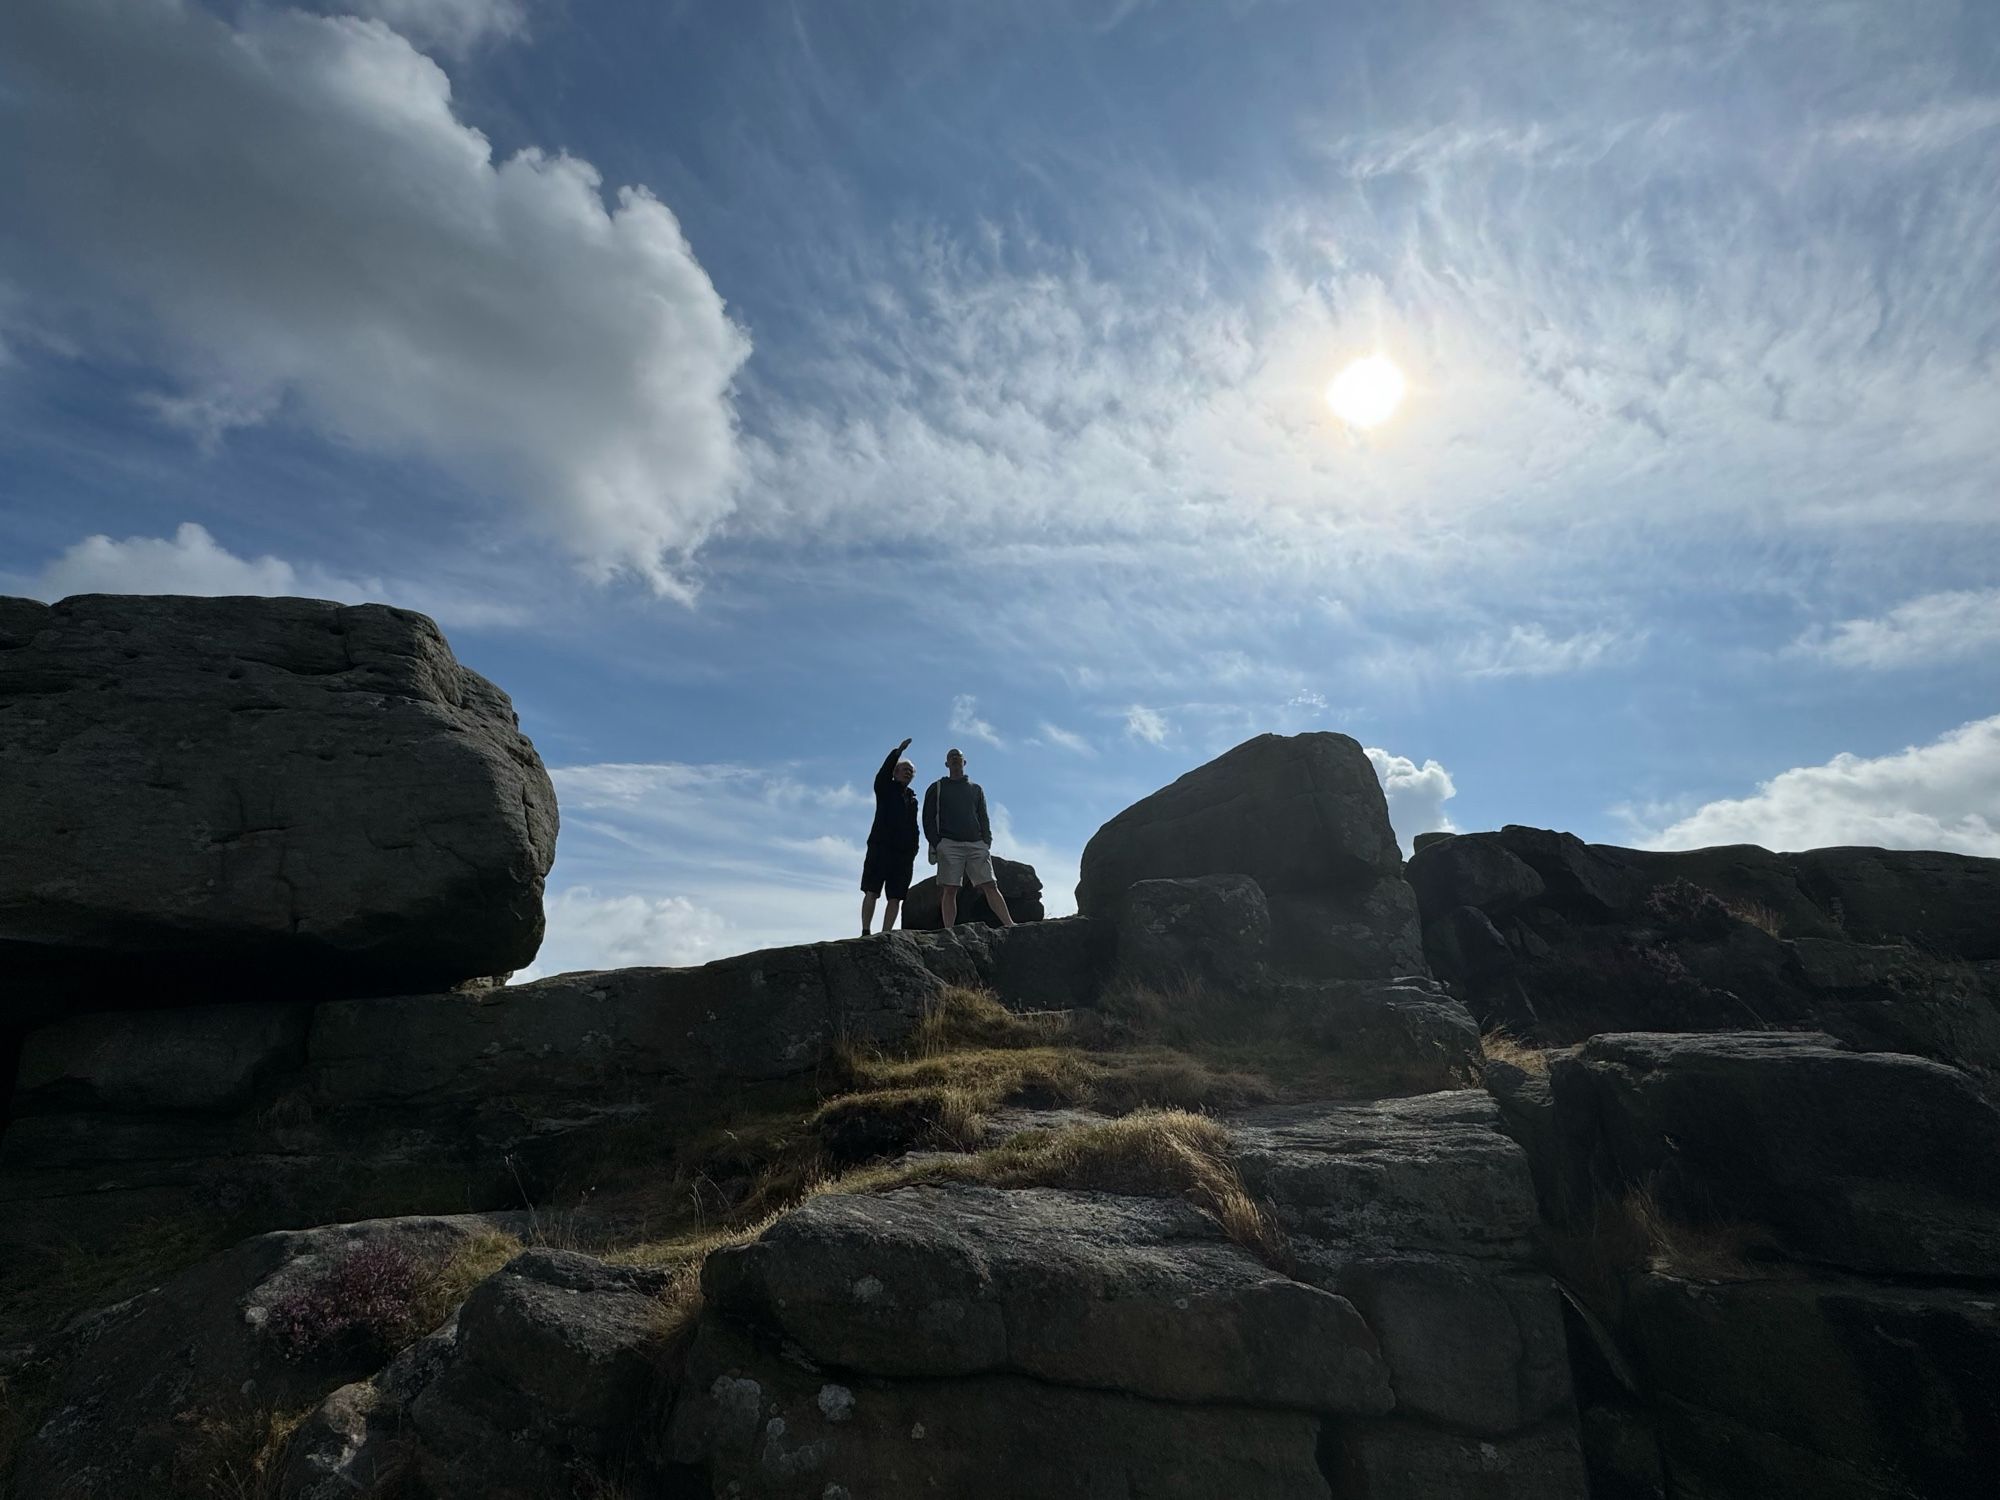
<point x="747" y="386"/>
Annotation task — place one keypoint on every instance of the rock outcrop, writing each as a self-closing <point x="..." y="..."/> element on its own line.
<point x="223" y="796"/>
<point x="1304" y="817"/>
<point x="1558" y="940"/>
<point x="1018" y="882"/>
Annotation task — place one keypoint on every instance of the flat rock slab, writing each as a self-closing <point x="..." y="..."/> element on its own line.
<point x="1083" y="1289"/>
<point x="764" y="1426"/>
<point x="280" y="788"/>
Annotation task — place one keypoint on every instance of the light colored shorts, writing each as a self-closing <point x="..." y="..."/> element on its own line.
<point x="962" y="862"/>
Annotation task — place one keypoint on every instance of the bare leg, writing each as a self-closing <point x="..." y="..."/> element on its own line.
<point x="948" y="903"/>
<point x="890" y="912"/>
<point x="991" y="891"/>
<point x="868" y="912"/>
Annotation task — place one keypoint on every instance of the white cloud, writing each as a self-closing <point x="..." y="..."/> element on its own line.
<point x="323" y="238"/>
<point x="1146" y="724"/>
<point x="776" y="860"/>
<point x="1416" y="794"/>
<point x="1944" y="795"/>
<point x="1934" y="628"/>
<point x="1530" y="651"/>
<point x="965" y="720"/>
<point x="589" y="931"/>
<point x="1065" y="739"/>
<point x="193" y="562"/>
<point x="455" y="26"/>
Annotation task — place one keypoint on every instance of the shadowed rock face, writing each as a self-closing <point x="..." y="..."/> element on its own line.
<point x="1303" y="816"/>
<point x="284" y="790"/>
<point x="1556" y="939"/>
<point x="1018" y="883"/>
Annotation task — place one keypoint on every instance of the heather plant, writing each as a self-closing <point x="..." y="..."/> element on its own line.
<point x="365" y="1301"/>
<point x="1686" y="909"/>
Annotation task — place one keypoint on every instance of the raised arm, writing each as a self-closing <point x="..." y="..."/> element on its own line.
<point x="886" y="776"/>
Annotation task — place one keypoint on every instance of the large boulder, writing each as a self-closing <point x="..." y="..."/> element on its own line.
<point x="1871" y="1161"/>
<point x="1018" y="882"/>
<point x="281" y="790"/>
<point x="1304" y="817"/>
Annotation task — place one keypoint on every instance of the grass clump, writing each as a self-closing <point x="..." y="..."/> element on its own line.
<point x="233" y="1455"/>
<point x="1500" y="1045"/>
<point x="1758" y="915"/>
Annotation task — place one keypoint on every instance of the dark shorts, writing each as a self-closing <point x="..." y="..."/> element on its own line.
<point x="888" y="870"/>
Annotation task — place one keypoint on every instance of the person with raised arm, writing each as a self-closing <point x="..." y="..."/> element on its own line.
<point x="892" y="841"/>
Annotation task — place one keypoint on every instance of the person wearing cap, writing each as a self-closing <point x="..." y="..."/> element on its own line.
<point x="961" y="840"/>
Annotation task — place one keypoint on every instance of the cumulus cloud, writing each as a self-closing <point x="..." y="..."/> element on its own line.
<point x="1944" y="795"/>
<point x="455" y="26"/>
<point x="193" y="562"/>
<point x="965" y="720"/>
<point x="1940" y="627"/>
<point x="287" y="215"/>
<point x="1146" y="724"/>
<point x="1416" y="794"/>
<point x="587" y="930"/>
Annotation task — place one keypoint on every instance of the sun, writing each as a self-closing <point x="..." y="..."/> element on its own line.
<point x="1367" y="392"/>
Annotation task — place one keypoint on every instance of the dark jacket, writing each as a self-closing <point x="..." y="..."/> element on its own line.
<point x="956" y="810"/>
<point x="895" y="826"/>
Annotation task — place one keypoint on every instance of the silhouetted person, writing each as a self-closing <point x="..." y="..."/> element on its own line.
<point x="892" y="841"/>
<point x="961" y="840"/>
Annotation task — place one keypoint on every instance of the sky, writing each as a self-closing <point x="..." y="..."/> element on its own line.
<point x="746" y="386"/>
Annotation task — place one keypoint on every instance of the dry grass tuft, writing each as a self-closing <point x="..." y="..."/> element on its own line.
<point x="1634" y="1234"/>
<point x="234" y="1455"/>
<point x="467" y="1266"/>
<point x="1502" y="1046"/>
<point x="1758" y="915"/>
<point x="962" y="1018"/>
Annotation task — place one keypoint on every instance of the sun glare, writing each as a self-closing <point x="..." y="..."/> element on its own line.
<point x="1367" y="392"/>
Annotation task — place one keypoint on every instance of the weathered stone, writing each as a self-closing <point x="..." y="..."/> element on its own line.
<point x="208" y="1058"/>
<point x="1055" y="965"/>
<point x="1297" y="814"/>
<point x="353" y="1444"/>
<point x="198" y="1346"/>
<point x="1824" y="1388"/>
<point x="1875" y="1161"/>
<point x="283" y="790"/>
<point x="1081" y="1289"/>
<point x="1407" y="1034"/>
<point x="1578" y="877"/>
<point x="1404" y="1461"/>
<point x="1464" y="947"/>
<point x="923" y="910"/>
<point x="552" y="1366"/>
<point x="1210" y="930"/>
<point x="757" y="1423"/>
<point x="1472" y="869"/>
<point x="1368" y="932"/>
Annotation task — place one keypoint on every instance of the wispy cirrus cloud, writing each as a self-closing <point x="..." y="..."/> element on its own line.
<point x="1948" y="626"/>
<point x="1147" y="724"/>
<point x="965" y="720"/>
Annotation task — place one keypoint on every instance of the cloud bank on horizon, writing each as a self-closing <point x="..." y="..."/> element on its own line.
<point x="747" y="385"/>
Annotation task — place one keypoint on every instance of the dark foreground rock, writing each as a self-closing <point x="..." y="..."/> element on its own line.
<point x="222" y="1343"/>
<point x="1018" y="882"/>
<point x="262" y="791"/>
<point x="1121" y="1345"/>
<point x="1304" y="817"/>
<point x="538" y="1386"/>
<point x="1871" y="1161"/>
